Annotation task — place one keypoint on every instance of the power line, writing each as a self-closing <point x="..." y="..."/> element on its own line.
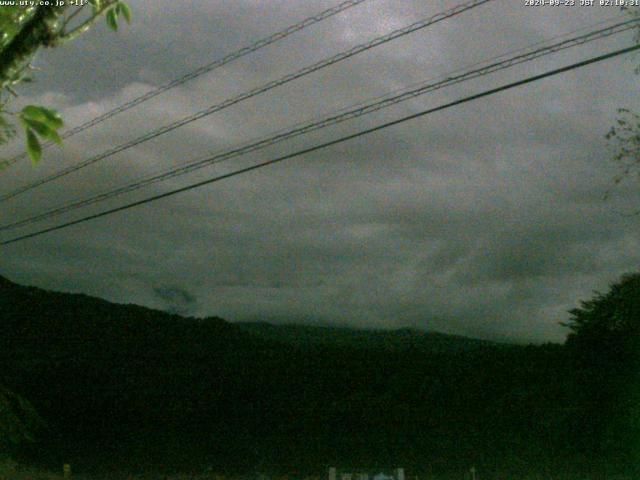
<point x="282" y="34"/>
<point x="333" y="120"/>
<point x="252" y="93"/>
<point x="330" y="143"/>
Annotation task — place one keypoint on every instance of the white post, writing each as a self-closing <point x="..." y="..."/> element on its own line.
<point x="473" y="473"/>
<point x="400" y="474"/>
<point x="332" y="473"/>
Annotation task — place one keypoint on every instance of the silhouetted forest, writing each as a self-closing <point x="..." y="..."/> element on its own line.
<point x="127" y="387"/>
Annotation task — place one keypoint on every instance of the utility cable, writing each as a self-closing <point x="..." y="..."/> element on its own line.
<point x="343" y="139"/>
<point x="332" y="120"/>
<point x="251" y="93"/>
<point x="201" y="71"/>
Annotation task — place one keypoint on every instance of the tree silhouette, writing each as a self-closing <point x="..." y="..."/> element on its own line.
<point x="605" y="342"/>
<point x="609" y="323"/>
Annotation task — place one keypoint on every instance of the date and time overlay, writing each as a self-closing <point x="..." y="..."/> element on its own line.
<point x="581" y="3"/>
<point x="527" y="3"/>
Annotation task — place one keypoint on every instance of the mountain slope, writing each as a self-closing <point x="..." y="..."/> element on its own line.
<point x="306" y="336"/>
<point x="74" y="323"/>
<point x="123" y="386"/>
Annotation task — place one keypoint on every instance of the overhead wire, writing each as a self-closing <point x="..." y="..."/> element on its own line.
<point x="257" y="45"/>
<point x="323" y="145"/>
<point x="358" y="111"/>
<point x="421" y="24"/>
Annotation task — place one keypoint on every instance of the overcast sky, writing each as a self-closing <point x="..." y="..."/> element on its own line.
<point x="486" y="219"/>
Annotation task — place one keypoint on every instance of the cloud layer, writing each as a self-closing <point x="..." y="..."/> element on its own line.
<point x="486" y="219"/>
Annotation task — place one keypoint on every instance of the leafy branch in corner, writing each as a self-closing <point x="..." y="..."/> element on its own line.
<point x="23" y="31"/>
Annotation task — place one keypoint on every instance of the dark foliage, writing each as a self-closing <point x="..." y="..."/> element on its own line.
<point x="609" y="323"/>
<point x="605" y="352"/>
<point x="127" y="387"/>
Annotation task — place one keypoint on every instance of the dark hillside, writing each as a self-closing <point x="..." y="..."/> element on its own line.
<point x="127" y="387"/>
<point x="342" y="337"/>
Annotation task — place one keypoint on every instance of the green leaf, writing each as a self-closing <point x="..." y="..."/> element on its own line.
<point x="125" y="11"/>
<point x="54" y="119"/>
<point x="95" y="5"/>
<point x="55" y="137"/>
<point x="34" y="149"/>
<point x="112" y="19"/>
<point x="42" y="129"/>
<point x="45" y="115"/>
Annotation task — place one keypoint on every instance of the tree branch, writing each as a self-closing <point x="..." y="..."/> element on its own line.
<point x="37" y="32"/>
<point x="84" y="26"/>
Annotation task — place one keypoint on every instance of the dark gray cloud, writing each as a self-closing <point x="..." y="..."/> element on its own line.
<point x="486" y="219"/>
<point x="177" y="300"/>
